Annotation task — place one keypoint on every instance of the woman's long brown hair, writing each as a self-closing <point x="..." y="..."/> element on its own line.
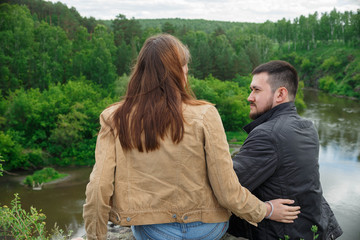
<point x="154" y="97"/>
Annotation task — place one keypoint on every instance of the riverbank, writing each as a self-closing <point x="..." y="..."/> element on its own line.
<point x="330" y="67"/>
<point x="330" y="94"/>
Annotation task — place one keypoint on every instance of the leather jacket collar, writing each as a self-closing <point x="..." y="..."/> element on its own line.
<point x="284" y="108"/>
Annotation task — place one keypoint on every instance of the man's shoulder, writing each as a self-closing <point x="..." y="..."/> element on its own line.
<point x="267" y="126"/>
<point x="285" y="122"/>
<point x="293" y="122"/>
<point x="262" y="131"/>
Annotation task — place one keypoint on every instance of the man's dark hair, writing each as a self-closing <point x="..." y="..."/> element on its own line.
<point x="281" y="74"/>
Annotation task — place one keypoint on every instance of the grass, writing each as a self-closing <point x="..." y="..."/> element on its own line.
<point x="236" y="137"/>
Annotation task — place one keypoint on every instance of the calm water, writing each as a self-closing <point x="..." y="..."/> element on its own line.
<point x="61" y="202"/>
<point x="338" y="123"/>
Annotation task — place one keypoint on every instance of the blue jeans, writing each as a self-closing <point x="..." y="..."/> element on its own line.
<point x="180" y="231"/>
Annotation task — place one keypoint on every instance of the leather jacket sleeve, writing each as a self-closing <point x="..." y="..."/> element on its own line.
<point x="101" y="185"/>
<point x="257" y="160"/>
<point x="223" y="180"/>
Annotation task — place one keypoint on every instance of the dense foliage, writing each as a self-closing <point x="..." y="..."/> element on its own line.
<point x="336" y="68"/>
<point x="229" y="99"/>
<point x="1" y="166"/>
<point x="58" y="70"/>
<point x="54" y="126"/>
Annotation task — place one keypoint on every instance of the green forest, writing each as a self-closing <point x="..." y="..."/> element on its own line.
<point x="59" y="70"/>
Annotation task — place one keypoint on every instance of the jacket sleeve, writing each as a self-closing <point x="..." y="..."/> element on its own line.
<point x="101" y="186"/>
<point x="222" y="177"/>
<point x="257" y="159"/>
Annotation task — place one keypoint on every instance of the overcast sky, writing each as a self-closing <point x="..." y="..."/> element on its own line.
<point x="224" y="10"/>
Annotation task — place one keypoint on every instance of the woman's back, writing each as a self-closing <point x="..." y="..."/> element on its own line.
<point x="171" y="183"/>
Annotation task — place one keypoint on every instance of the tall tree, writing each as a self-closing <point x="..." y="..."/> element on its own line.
<point x="100" y="68"/>
<point x="201" y="62"/>
<point x="222" y="55"/>
<point x="168" y="28"/>
<point x="53" y="56"/>
<point x="125" y="29"/>
<point x="17" y="42"/>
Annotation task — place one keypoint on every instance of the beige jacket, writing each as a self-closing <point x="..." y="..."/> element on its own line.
<point x="186" y="182"/>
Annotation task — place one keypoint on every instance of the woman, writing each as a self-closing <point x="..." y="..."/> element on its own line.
<point x="162" y="160"/>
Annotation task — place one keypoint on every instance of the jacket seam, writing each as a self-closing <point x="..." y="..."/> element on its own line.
<point x="128" y="184"/>
<point x="98" y="189"/>
<point x="214" y="152"/>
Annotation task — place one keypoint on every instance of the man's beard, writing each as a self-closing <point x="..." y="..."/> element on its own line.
<point x="257" y="114"/>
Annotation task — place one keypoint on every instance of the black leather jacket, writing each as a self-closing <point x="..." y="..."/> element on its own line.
<point x="279" y="159"/>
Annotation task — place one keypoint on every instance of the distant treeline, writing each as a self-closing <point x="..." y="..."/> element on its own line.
<point x="59" y="70"/>
<point x="57" y="43"/>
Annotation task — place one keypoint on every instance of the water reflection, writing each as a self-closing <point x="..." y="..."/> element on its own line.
<point x="338" y="124"/>
<point x="342" y="190"/>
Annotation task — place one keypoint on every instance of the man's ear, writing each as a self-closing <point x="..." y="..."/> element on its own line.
<point x="281" y="95"/>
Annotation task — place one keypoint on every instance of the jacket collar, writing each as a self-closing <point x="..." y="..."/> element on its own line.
<point x="284" y="108"/>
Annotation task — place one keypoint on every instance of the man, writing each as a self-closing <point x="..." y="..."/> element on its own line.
<point x="279" y="158"/>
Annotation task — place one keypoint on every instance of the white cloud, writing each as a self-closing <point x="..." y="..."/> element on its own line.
<point x="226" y="10"/>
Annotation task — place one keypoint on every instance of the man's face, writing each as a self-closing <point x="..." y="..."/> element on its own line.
<point x="261" y="96"/>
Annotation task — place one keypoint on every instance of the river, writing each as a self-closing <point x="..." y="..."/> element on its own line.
<point x="338" y="124"/>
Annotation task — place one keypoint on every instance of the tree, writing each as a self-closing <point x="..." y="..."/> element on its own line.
<point x="127" y="35"/>
<point x="305" y="32"/>
<point x="100" y="68"/>
<point x="325" y="27"/>
<point x="355" y="27"/>
<point x="69" y="127"/>
<point x="11" y="151"/>
<point x="334" y="20"/>
<point x="53" y="55"/>
<point x="123" y="59"/>
<point x="314" y="29"/>
<point x="17" y="41"/>
<point x="168" y="28"/>
<point x="228" y="97"/>
<point x="125" y="29"/>
<point x="201" y="61"/>
<point x="222" y="55"/>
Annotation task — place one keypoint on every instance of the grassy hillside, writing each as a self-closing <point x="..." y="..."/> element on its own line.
<point x="333" y="68"/>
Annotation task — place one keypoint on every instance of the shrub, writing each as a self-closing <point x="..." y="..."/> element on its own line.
<point x="18" y="224"/>
<point x="314" y="229"/>
<point x="21" y="224"/>
<point x="299" y="100"/>
<point x="230" y="100"/>
<point x="306" y="65"/>
<point x="330" y="64"/>
<point x="1" y="167"/>
<point x="327" y="84"/>
<point x="237" y="137"/>
<point x="11" y="150"/>
<point x="43" y="176"/>
<point x="345" y="89"/>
